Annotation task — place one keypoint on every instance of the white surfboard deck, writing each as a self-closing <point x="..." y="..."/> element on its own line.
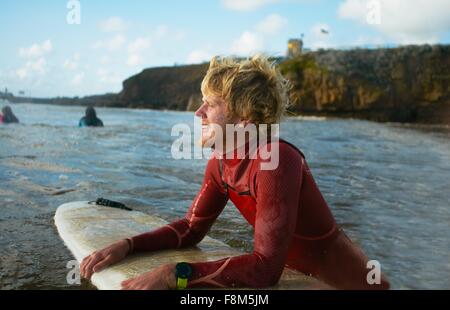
<point x="86" y="228"/>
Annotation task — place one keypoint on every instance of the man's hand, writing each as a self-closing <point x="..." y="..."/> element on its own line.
<point x="103" y="258"/>
<point x="161" y="278"/>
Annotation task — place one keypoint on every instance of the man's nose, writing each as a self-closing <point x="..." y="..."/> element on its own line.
<point x="201" y="111"/>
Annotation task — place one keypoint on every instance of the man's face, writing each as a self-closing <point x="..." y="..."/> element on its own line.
<point x="212" y="111"/>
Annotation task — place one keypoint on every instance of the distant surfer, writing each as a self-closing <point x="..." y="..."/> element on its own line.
<point x="7" y="116"/>
<point x="293" y="225"/>
<point x="90" y="119"/>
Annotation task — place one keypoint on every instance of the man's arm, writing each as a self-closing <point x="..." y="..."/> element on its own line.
<point x="278" y="194"/>
<point x="208" y="204"/>
<point x="190" y="230"/>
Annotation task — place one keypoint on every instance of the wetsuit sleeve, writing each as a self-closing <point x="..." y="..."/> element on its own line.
<point x="277" y="200"/>
<point x="190" y="230"/>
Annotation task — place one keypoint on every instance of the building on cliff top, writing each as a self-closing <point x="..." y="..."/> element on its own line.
<point x="295" y="47"/>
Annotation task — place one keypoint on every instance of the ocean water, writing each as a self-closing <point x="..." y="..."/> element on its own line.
<point x="387" y="185"/>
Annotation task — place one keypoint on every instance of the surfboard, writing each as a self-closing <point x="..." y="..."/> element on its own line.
<point x="85" y="227"/>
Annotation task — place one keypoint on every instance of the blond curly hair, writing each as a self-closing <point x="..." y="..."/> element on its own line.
<point x="253" y="89"/>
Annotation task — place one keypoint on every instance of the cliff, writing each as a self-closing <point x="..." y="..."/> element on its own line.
<point x="163" y="88"/>
<point x="405" y="84"/>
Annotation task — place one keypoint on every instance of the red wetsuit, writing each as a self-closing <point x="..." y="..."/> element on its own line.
<point x="293" y="226"/>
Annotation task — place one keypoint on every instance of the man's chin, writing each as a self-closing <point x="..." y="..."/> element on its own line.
<point x="206" y="142"/>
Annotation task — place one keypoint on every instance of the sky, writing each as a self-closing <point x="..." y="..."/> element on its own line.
<point x="77" y="47"/>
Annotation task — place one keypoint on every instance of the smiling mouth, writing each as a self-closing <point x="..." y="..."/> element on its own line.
<point x="206" y="129"/>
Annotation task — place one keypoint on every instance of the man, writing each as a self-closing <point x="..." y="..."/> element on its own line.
<point x="8" y="116"/>
<point x="293" y="225"/>
<point x="90" y="119"/>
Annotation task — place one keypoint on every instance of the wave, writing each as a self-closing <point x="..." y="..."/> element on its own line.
<point x="308" y="118"/>
<point x="25" y="162"/>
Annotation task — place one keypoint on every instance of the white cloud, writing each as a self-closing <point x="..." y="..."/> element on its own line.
<point x="251" y="42"/>
<point x="164" y="32"/>
<point x="113" y="24"/>
<point x="353" y="9"/>
<point x="32" y="67"/>
<point x="404" y="21"/>
<point x="116" y="42"/>
<point x="38" y="65"/>
<point x="104" y="60"/>
<point x="134" y="59"/>
<point x="272" y="24"/>
<point x="36" y="50"/>
<point x="77" y="79"/>
<point x="139" y="45"/>
<point x="246" y="5"/>
<point x="179" y="35"/>
<point x="112" y="44"/>
<point x="161" y="31"/>
<point x="22" y="73"/>
<point x="248" y="43"/>
<point x="199" y="56"/>
<point x="135" y="50"/>
<point x="108" y="77"/>
<point x="72" y="63"/>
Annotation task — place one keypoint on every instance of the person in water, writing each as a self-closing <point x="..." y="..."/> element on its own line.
<point x="90" y="119"/>
<point x="293" y="225"/>
<point x="7" y="116"/>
